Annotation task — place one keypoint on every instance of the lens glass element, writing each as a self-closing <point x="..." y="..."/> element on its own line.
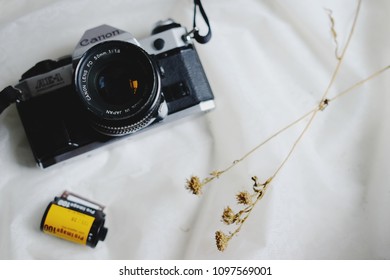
<point x="119" y="83"/>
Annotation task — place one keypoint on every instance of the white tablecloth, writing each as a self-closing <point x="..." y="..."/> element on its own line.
<point x="268" y="63"/>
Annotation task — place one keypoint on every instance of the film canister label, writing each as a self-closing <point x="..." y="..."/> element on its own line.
<point x="75" y="219"/>
<point x="68" y="224"/>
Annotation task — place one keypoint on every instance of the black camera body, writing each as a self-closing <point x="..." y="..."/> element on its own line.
<point x="111" y="87"/>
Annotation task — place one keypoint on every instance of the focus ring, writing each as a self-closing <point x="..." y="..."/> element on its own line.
<point x="124" y="129"/>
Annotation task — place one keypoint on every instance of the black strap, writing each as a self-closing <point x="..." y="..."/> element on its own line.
<point x="7" y="96"/>
<point x="199" y="38"/>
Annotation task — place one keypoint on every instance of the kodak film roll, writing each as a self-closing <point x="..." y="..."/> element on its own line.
<point x="75" y="219"/>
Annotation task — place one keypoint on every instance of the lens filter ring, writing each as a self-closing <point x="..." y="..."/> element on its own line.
<point x="119" y="86"/>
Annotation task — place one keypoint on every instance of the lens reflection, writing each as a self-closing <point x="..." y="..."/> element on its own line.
<point x="117" y="84"/>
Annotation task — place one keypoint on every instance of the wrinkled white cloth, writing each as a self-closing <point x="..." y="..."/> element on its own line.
<point x="268" y="63"/>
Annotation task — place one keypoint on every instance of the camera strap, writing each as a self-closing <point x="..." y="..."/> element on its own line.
<point x="7" y="96"/>
<point x="199" y="38"/>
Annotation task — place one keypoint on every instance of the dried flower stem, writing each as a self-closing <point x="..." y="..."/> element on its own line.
<point x="223" y="242"/>
<point x="360" y="83"/>
<point x="195" y="185"/>
<point x="342" y="56"/>
<point x="334" y="33"/>
<point x="250" y="200"/>
<point x="216" y="174"/>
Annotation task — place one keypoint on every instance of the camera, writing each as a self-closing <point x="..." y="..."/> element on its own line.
<point x="112" y="86"/>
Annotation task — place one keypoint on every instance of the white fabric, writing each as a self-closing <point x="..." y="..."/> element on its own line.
<point x="268" y="63"/>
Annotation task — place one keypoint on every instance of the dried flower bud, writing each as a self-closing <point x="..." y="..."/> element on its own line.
<point x="221" y="240"/>
<point x="244" y="198"/>
<point x="228" y="216"/>
<point x="194" y="185"/>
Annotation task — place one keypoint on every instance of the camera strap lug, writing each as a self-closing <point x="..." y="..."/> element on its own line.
<point x="202" y="39"/>
<point x="190" y="35"/>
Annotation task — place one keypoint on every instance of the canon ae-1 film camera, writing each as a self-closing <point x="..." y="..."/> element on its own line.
<point x="112" y="85"/>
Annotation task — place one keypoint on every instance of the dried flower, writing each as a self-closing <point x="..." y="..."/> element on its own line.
<point x="244" y="198"/>
<point x="228" y="216"/>
<point x="194" y="185"/>
<point x="249" y="200"/>
<point x="221" y="240"/>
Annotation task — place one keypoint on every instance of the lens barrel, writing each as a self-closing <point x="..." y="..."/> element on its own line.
<point x="118" y="83"/>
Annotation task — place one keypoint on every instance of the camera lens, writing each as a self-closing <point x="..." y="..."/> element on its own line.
<point x="119" y="85"/>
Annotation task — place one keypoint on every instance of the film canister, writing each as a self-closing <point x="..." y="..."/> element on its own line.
<point x="75" y="219"/>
